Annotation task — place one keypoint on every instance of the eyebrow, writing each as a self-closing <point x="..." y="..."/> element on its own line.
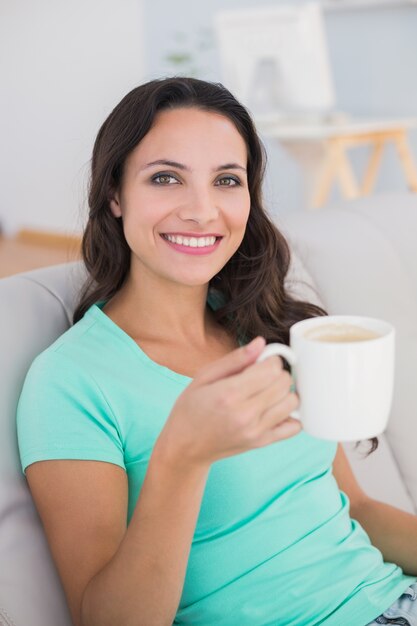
<point x="181" y="166"/>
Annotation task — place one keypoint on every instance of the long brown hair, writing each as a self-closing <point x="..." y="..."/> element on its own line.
<point x="252" y="281"/>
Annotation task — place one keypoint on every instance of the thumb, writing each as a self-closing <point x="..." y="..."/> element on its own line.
<point x="231" y="363"/>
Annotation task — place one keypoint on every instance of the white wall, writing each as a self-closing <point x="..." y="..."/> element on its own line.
<point x="63" y="67"/>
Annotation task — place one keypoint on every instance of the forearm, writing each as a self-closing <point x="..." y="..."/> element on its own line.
<point x="142" y="584"/>
<point x="392" y="531"/>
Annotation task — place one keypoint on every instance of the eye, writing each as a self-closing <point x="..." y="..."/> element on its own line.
<point x="164" y="179"/>
<point x="228" y="181"/>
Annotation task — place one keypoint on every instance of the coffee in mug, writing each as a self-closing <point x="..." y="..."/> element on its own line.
<point x="340" y="333"/>
<point x="343" y="367"/>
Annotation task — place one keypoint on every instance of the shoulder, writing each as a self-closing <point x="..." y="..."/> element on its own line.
<point x="62" y="412"/>
<point x="83" y="343"/>
<point x="84" y="333"/>
<point x="67" y="365"/>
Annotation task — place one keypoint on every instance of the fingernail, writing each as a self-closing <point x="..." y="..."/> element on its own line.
<point x="255" y="344"/>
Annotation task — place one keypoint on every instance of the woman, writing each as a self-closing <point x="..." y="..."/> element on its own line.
<point x="171" y="482"/>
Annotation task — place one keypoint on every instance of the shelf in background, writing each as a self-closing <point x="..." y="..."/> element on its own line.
<point x="32" y="249"/>
<point x="350" y="5"/>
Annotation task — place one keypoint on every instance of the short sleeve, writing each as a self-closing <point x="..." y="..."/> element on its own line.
<point x="63" y="414"/>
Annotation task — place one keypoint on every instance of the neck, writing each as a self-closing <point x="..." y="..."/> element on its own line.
<point x="172" y="313"/>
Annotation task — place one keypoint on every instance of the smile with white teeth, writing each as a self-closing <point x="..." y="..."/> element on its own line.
<point x="193" y="242"/>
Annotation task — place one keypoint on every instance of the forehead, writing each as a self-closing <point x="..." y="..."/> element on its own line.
<point x="191" y="135"/>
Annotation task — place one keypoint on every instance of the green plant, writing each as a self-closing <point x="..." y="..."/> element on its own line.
<point x="188" y="55"/>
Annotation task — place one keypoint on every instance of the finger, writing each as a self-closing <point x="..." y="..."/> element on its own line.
<point x="286" y="429"/>
<point x="260" y="376"/>
<point x="279" y="412"/>
<point x="263" y="389"/>
<point x="231" y="363"/>
<point x="268" y="411"/>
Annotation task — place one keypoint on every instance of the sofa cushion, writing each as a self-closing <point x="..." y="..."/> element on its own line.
<point x="36" y="308"/>
<point x="362" y="256"/>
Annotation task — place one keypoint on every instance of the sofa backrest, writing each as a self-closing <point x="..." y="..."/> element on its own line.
<point x="35" y="309"/>
<point x="362" y="257"/>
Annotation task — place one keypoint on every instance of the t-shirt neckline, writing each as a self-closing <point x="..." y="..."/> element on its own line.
<point x="96" y="310"/>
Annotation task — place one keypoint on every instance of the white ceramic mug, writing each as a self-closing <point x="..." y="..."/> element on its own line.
<point x="344" y="380"/>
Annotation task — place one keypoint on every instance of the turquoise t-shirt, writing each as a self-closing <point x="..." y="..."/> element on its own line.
<point x="274" y="543"/>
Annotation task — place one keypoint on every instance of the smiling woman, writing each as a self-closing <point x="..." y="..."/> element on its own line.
<point x="172" y="484"/>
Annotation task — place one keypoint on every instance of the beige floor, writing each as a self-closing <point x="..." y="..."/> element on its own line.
<point x="21" y="254"/>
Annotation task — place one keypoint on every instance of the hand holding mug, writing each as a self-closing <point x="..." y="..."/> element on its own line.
<point x="233" y="405"/>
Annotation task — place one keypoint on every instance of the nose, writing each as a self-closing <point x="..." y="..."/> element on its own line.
<point x="199" y="206"/>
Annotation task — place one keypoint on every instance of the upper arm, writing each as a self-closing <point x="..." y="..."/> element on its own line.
<point x="83" y="509"/>
<point x="346" y="479"/>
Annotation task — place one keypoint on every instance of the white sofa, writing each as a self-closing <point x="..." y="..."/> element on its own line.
<point x="358" y="257"/>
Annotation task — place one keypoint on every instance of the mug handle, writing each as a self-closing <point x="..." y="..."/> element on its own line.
<point x="280" y="349"/>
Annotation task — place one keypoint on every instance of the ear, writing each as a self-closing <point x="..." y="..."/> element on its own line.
<point x="115" y="205"/>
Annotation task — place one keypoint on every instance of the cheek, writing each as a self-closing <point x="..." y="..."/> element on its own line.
<point x="238" y="211"/>
<point x="143" y="213"/>
<point x="138" y="228"/>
